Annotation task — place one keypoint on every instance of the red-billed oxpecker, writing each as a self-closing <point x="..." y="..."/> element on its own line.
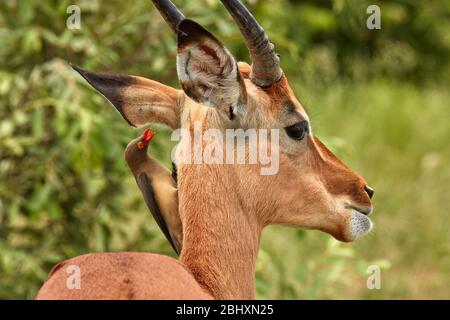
<point x="158" y="188"/>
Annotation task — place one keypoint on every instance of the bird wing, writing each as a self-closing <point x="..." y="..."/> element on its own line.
<point x="146" y="187"/>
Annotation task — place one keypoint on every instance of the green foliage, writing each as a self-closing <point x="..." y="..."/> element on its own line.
<point x="65" y="189"/>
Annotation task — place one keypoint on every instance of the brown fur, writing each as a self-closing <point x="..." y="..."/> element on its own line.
<point x="150" y="99"/>
<point x="224" y="208"/>
<point x="123" y="276"/>
<point x="137" y="99"/>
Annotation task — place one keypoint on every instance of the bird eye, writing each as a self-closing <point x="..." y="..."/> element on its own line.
<point x="298" y="131"/>
<point x="140" y="145"/>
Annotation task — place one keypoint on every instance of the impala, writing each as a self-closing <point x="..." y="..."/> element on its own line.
<point x="223" y="208"/>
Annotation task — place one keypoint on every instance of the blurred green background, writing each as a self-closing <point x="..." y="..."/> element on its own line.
<point x="378" y="98"/>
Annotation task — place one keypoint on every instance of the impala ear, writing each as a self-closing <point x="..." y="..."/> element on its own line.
<point x="207" y="71"/>
<point x="140" y="101"/>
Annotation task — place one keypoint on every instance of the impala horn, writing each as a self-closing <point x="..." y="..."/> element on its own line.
<point x="265" y="62"/>
<point x="170" y="13"/>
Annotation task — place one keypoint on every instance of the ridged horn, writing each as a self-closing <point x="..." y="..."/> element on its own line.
<point x="265" y="62"/>
<point x="170" y="13"/>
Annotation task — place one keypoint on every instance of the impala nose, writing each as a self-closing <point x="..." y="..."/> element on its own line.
<point x="369" y="191"/>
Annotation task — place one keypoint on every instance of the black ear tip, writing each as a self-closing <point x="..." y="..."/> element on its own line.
<point x="76" y="68"/>
<point x="186" y="23"/>
<point x="183" y="29"/>
<point x="189" y="30"/>
<point x="109" y="85"/>
<point x="84" y="73"/>
<point x="190" y="26"/>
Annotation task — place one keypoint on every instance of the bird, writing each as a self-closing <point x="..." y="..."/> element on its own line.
<point x="158" y="187"/>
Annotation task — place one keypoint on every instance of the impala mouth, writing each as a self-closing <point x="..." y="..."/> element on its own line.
<point x="364" y="210"/>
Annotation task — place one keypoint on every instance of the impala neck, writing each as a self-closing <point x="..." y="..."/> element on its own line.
<point x="221" y="239"/>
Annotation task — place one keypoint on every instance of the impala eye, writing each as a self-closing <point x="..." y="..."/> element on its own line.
<point x="298" y="131"/>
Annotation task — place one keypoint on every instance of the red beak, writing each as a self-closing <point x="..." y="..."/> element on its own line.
<point x="148" y="135"/>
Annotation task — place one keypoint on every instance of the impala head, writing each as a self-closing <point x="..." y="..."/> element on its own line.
<point x="312" y="189"/>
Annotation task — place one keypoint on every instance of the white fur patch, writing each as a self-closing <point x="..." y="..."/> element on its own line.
<point x="360" y="225"/>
